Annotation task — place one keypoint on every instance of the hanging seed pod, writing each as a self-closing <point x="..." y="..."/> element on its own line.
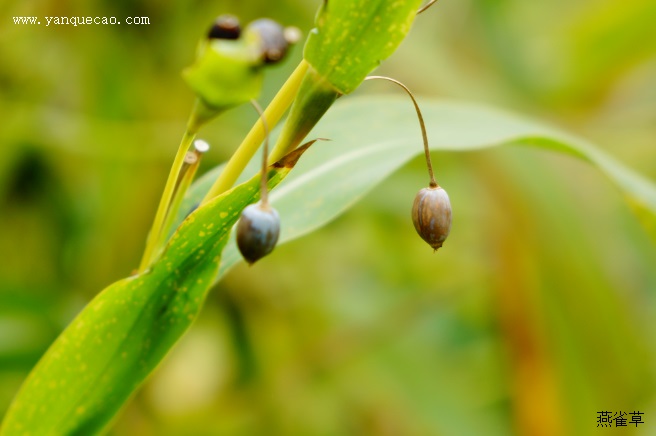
<point x="431" y="215"/>
<point x="257" y="232"/>
<point x="431" y="210"/>
<point x="259" y="225"/>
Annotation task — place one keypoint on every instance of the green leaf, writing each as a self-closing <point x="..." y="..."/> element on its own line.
<point x="349" y="41"/>
<point x="374" y="136"/>
<point x="108" y="350"/>
<point x="353" y="36"/>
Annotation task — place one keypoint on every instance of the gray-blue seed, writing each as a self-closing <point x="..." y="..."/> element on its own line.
<point x="257" y="232"/>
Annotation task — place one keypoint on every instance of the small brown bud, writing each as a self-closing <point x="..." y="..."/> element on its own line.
<point x="225" y="27"/>
<point x="431" y="215"/>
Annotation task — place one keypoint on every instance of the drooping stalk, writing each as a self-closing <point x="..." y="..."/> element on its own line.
<point x="258" y="228"/>
<point x="432" y="182"/>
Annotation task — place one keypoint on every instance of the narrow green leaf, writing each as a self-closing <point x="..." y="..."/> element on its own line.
<point x="349" y="41"/>
<point x="121" y="336"/>
<point x="374" y="136"/>
<point x="353" y="36"/>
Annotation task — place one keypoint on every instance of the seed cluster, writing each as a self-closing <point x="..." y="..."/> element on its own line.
<point x="274" y="39"/>
<point x="259" y="226"/>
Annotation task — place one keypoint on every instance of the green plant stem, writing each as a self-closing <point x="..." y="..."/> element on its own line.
<point x="155" y="234"/>
<point x="256" y="135"/>
<point x="264" y="192"/>
<point x="185" y="179"/>
<point x="315" y="96"/>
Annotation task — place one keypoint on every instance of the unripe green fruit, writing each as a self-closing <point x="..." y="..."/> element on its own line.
<point x="431" y="215"/>
<point x="257" y="232"/>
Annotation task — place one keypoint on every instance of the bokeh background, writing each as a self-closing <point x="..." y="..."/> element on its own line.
<point x="538" y="312"/>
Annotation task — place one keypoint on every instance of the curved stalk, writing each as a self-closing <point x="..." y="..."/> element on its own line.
<point x="432" y="183"/>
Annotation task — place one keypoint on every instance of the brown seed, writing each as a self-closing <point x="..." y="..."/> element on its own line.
<point x="431" y="215"/>
<point x="225" y="27"/>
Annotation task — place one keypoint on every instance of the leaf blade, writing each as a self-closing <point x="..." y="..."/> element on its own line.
<point x="110" y="348"/>
<point x="351" y="38"/>
<point x="361" y="155"/>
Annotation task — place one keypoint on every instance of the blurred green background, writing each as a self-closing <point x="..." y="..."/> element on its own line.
<point x="537" y="313"/>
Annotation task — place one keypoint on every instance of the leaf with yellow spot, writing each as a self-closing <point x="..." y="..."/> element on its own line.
<point x="352" y="37"/>
<point x="110" y="348"/>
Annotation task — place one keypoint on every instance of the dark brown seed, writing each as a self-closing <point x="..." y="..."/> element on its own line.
<point x="225" y="27"/>
<point x="431" y="215"/>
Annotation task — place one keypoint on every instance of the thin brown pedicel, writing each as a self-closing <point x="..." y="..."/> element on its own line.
<point x="431" y="210"/>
